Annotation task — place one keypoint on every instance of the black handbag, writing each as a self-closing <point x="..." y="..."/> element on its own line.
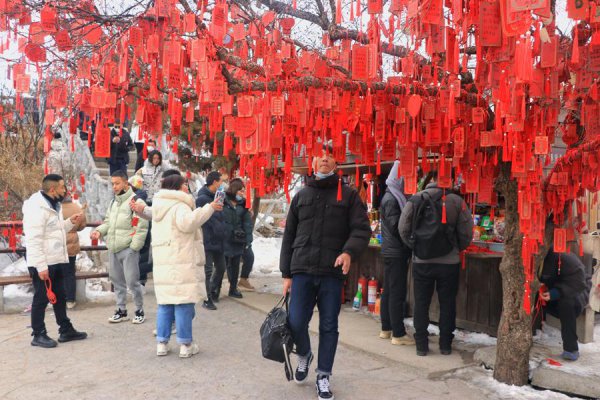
<point x="239" y="236"/>
<point x="276" y="337"/>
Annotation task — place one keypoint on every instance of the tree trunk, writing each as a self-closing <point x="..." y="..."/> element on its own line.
<point x="255" y="210"/>
<point x="514" y="331"/>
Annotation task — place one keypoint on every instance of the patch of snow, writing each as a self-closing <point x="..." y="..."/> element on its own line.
<point x="266" y="256"/>
<point x="475" y="338"/>
<point x="483" y="379"/>
<point x="18" y="267"/>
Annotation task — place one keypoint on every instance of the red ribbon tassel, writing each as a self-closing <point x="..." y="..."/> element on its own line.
<point x="357" y="179"/>
<point x="248" y="196"/>
<point x="444" y="208"/>
<point x="49" y="293"/>
<point x="339" y="192"/>
<point x="527" y="299"/>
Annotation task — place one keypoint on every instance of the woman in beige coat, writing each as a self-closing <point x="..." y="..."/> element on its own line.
<point x="177" y="250"/>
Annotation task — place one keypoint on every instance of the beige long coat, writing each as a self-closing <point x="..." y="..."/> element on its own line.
<point x="177" y="246"/>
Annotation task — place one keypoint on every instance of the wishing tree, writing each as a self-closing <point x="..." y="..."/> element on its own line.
<point x="481" y="87"/>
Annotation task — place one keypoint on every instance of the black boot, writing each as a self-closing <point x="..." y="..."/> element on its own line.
<point x="209" y="305"/>
<point x="71" y="334"/>
<point x="42" y="340"/>
<point x="235" y="293"/>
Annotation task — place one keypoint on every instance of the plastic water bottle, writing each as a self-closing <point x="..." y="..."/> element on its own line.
<point x="357" y="300"/>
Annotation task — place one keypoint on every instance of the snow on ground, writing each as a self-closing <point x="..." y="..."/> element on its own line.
<point x="483" y="379"/>
<point x="266" y="256"/>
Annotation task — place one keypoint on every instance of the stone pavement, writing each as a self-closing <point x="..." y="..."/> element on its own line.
<point x="119" y="362"/>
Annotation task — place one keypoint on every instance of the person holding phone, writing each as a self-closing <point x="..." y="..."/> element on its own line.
<point x="326" y="229"/>
<point x="214" y="235"/>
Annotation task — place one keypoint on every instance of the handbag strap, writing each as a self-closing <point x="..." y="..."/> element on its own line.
<point x="284" y="301"/>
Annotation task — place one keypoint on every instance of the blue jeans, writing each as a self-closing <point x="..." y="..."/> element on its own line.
<point x="325" y="292"/>
<point x="183" y="315"/>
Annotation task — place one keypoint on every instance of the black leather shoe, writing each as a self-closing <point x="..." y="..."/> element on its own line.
<point x="446" y="352"/>
<point x="422" y="352"/>
<point x="71" y="335"/>
<point x="42" y="340"/>
<point x="236" y="294"/>
<point x="209" y="305"/>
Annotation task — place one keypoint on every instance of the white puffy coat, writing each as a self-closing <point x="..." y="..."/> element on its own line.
<point x="177" y="246"/>
<point x="45" y="232"/>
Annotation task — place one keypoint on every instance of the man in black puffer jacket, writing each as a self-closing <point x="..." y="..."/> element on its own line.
<point x="214" y="236"/>
<point x="322" y="236"/>
<point x="396" y="257"/>
<point x="567" y="296"/>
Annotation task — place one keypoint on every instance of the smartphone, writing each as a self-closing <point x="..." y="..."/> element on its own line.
<point x="220" y="196"/>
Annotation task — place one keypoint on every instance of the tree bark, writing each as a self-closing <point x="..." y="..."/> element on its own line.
<point x="514" y="331"/>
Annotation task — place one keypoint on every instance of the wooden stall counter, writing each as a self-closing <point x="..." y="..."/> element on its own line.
<point x="479" y="299"/>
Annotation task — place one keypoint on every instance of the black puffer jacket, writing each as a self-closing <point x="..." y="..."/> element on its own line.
<point x="213" y="230"/>
<point x="119" y="152"/>
<point x="236" y="217"/>
<point x="573" y="281"/>
<point x="391" y="244"/>
<point x="319" y="228"/>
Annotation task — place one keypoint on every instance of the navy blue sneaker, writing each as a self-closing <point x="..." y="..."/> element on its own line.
<point x="570" y="355"/>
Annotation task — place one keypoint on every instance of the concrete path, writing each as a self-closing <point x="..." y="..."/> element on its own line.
<point x="119" y="361"/>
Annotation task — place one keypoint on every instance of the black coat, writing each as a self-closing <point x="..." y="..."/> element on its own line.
<point x="391" y="244"/>
<point x="236" y="217"/>
<point x="319" y="228"/>
<point x="119" y="152"/>
<point x="572" y="283"/>
<point x="213" y="230"/>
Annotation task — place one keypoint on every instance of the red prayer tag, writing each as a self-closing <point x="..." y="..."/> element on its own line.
<point x="277" y="106"/>
<point x="478" y="115"/>
<point x="560" y="240"/>
<point x="578" y="9"/>
<point x="541" y="145"/>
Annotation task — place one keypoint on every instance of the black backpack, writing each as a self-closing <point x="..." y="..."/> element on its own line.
<point x="429" y="237"/>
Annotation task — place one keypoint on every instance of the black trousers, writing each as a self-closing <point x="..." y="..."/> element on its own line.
<point x="40" y="300"/>
<point x="247" y="262"/>
<point x="214" y="270"/>
<point x="70" y="281"/>
<point x="427" y="278"/>
<point x="233" y="271"/>
<point x="145" y="264"/>
<point x="139" y="162"/>
<point x="567" y="311"/>
<point x="393" y="298"/>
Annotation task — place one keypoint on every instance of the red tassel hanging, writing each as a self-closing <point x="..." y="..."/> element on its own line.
<point x="444" y="207"/>
<point x="82" y="181"/>
<point x="175" y="148"/>
<point x="294" y="4"/>
<point x="339" y="192"/>
<point x="215" y="146"/>
<point x="145" y="149"/>
<point x="378" y="169"/>
<point x="6" y="198"/>
<point x="575" y="53"/>
<point x="580" y="243"/>
<point x="357" y="179"/>
<point x="248" y="196"/>
<point x="338" y="12"/>
<point x="492" y="214"/>
<point x="527" y="299"/>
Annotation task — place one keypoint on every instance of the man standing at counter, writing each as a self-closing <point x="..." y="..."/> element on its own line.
<point x="437" y="225"/>
<point x="327" y="227"/>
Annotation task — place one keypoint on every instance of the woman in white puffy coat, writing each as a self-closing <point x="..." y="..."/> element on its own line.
<point x="178" y="253"/>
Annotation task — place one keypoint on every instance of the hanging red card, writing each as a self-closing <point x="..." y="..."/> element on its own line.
<point x="549" y="53"/>
<point x="22" y="84"/>
<point x="245" y="106"/>
<point x="560" y="240"/>
<point x="216" y="91"/>
<point x="245" y="126"/>
<point x="541" y="145"/>
<point x="277" y="106"/>
<point x="63" y="40"/>
<point x="48" y="19"/>
<point x="478" y="115"/>
<point x="102" y="142"/>
<point x="374" y="6"/>
<point x="472" y="180"/>
<point x="432" y="12"/>
<point x="360" y="56"/>
<point x="407" y="161"/>
<point x="578" y="9"/>
<point x="524" y="5"/>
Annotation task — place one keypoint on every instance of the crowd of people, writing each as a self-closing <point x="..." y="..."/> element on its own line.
<point x="327" y="228"/>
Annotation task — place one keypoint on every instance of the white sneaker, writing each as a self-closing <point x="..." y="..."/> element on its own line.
<point x="71" y="304"/>
<point x="162" y="348"/>
<point x="119" y="316"/>
<point x="188" y="350"/>
<point x="139" y="317"/>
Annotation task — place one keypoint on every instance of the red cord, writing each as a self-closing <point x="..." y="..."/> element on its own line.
<point x="49" y="293"/>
